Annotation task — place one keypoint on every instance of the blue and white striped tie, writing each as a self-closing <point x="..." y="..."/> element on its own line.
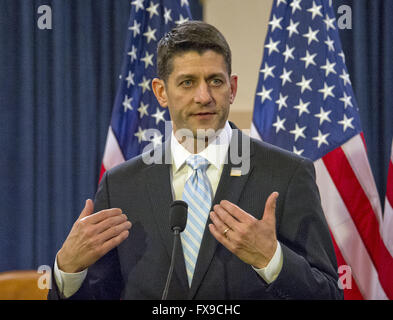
<point x="198" y="195"/>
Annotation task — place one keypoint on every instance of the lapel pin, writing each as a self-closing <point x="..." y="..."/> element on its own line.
<point x="236" y="172"/>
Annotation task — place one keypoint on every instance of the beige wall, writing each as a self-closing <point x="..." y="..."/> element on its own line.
<point x="244" y="24"/>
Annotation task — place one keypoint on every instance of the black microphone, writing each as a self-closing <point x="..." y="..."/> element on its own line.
<point x="177" y="222"/>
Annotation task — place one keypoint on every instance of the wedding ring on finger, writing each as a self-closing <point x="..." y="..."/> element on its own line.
<point x="225" y="232"/>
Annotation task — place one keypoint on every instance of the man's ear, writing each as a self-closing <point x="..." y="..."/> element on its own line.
<point x="233" y="82"/>
<point x="159" y="90"/>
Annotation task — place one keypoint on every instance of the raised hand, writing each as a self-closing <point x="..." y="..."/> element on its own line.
<point x="251" y="240"/>
<point x="91" y="237"/>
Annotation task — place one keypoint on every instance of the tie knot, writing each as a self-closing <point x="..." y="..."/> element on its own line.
<point x="197" y="162"/>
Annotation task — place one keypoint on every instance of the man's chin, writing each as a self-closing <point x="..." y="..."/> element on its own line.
<point x="203" y="134"/>
<point x="198" y="134"/>
<point x="197" y="138"/>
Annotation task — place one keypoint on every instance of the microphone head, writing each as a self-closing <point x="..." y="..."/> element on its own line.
<point x="178" y="215"/>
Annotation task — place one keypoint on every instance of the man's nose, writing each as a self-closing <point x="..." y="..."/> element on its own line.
<point x="202" y="94"/>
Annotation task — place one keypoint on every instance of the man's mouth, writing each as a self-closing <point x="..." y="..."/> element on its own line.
<point x="204" y="114"/>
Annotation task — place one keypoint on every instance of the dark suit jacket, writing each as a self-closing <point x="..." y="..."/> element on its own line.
<point x="137" y="269"/>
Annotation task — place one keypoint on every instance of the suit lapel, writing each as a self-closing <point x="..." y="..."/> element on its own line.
<point x="159" y="190"/>
<point x="229" y="188"/>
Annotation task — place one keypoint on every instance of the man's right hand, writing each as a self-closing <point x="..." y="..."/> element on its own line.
<point x="91" y="237"/>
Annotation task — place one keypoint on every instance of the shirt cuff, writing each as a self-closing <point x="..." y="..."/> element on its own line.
<point x="273" y="269"/>
<point x="68" y="283"/>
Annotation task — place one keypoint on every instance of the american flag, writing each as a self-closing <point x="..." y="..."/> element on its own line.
<point x="388" y="212"/>
<point x="136" y="109"/>
<point x="305" y="103"/>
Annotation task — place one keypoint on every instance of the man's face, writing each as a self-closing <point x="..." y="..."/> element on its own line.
<point x="198" y="92"/>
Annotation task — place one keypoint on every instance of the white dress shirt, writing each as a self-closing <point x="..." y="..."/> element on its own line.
<point x="215" y="153"/>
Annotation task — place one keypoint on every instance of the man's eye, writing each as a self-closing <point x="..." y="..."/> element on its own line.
<point x="216" y="82"/>
<point x="186" y="83"/>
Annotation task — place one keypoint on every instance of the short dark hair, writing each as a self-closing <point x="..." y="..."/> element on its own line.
<point x="190" y="36"/>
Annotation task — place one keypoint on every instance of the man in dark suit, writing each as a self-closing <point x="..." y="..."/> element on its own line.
<point x="255" y="228"/>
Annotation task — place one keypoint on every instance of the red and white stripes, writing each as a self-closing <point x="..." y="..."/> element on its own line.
<point x="363" y="240"/>
<point x="352" y="208"/>
<point x="112" y="154"/>
<point x="387" y="231"/>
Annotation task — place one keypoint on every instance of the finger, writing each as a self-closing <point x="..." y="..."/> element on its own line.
<point x="114" y="242"/>
<point x="110" y="222"/>
<point x="87" y="210"/>
<point x="226" y="217"/>
<point x="102" y="215"/>
<point x="220" y="237"/>
<point x="270" y="208"/>
<point x="218" y="223"/>
<point x="236" y="212"/>
<point x="114" y="231"/>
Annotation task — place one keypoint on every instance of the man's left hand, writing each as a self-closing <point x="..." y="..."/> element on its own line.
<point x="251" y="240"/>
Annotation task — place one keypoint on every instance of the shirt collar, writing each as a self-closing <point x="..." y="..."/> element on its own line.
<point x="215" y="152"/>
